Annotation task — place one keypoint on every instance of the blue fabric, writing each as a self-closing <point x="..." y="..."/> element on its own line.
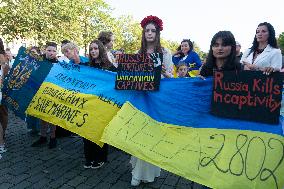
<point x="83" y="60"/>
<point x="182" y="101"/>
<point x="74" y="76"/>
<point x="186" y="102"/>
<point x="190" y="59"/>
<point x="33" y="123"/>
<point x="17" y="98"/>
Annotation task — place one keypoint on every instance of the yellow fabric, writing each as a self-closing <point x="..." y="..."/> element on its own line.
<point x="192" y="73"/>
<point x="223" y="159"/>
<point x="87" y="120"/>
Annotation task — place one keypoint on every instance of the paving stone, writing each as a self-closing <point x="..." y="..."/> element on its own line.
<point x="65" y="186"/>
<point x="94" y="180"/>
<point x="36" y="178"/>
<point x="103" y="185"/>
<point x="24" y="184"/>
<point x="20" y="178"/>
<point x="42" y="183"/>
<point x="167" y="187"/>
<point x="6" y="178"/>
<point x="171" y="180"/>
<point x="84" y="186"/>
<point x="157" y="184"/>
<point x="57" y="183"/>
<point x="120" y="185"/>
<point x="77" y="180"/>
<point x="113" y="178"/>
<point x="6" y="185"/>
<point x="6" y="170"/>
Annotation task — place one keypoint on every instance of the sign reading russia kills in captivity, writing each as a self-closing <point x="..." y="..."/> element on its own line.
<point x="139" y="72"/>
<point x="248" y="95"/>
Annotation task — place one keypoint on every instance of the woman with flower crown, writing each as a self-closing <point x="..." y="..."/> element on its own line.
<point x="152" y="25"/>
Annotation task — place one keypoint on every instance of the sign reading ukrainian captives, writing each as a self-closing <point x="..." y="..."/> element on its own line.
<point x="139" y="72"/>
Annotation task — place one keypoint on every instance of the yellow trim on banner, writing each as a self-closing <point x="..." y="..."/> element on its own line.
<point x="84" y="114"/>
<point x="218" y="158"/>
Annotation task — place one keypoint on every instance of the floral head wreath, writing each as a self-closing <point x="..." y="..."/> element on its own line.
<point x="154" y="19"/>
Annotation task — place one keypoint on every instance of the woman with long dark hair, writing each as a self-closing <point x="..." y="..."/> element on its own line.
<point x="222" y="54"/>
<point x="95" y="155"/>
<point x="264" y="55"/>
<point x="186" y="54"/>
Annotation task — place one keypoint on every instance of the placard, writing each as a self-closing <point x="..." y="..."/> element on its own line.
<point x="249" y="95"/>
<point x="139" y="72"/>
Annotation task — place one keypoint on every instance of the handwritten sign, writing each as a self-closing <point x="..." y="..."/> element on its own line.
<point x="247" y="95"/>
<point x="139" y="72"/>
<point x="218" y="158"/>
<point x="78" y="99"/>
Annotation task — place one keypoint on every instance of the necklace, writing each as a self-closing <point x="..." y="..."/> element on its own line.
<point x="258" y="51"/>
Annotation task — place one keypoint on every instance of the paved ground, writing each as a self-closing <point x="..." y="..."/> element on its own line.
<point x="25" y="167"/>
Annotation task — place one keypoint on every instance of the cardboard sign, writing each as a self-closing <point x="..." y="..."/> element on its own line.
<point x="139" y="72"/>
<point x="248" y="95"/>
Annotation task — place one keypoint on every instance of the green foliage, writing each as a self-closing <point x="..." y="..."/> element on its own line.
<point x="77" y="20"/>
<point x="171" y="45"/>
<point x="281" y="42"/>
<point x="127" y="34"/>
<point x="42" y="20"/>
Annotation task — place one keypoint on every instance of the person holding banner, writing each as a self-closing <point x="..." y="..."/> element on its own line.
<point x="222" y="54"/>
<point x="95" y="155"/>
<point x="71" y="51"/>
<point x="152" y="25"/>
<point x="185" y="53"/>
<point x="264" y="55"/>
<point x="107" y="38"/>
<point x="50" y="56"/>
<point x="4" y="69"/>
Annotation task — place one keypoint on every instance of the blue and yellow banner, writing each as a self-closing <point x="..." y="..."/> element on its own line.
<point x="23" y="81"/>
<point x="174" y="130"/>
<point x="78" y="98"/>
<point x="171" y="128"/>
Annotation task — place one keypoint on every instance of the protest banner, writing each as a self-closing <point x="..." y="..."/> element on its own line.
<point x="172" y="128"/>
<point x="78" y="98"/>
<point x="218" y="158"/>
<point x="139" y="72"/>
<point x="23" y="81"/>
<point x="248" y="95"/>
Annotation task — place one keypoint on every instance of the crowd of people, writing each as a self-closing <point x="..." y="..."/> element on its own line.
<point x="224" y="54"/>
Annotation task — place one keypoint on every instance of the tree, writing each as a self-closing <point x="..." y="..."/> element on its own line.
<point x="281" y="42"/>
<point x="127" y="33"/>
<point x="55" y="20"/>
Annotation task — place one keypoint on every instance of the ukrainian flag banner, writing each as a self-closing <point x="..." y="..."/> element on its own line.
<point x="171" y="128"/>
<point x="174" y="130"/>
<point x="78" y="98"/>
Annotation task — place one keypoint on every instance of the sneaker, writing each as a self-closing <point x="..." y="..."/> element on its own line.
<point x="52" y="143"/>
<point x="88" y="165"/>
<point x="40" y="142"/>
<point x="135" y="182"/>
<point x="96" y="165"/>
<point x="2" y="149"/>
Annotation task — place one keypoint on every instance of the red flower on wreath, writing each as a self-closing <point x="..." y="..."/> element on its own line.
<point x="154" y="19"/>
